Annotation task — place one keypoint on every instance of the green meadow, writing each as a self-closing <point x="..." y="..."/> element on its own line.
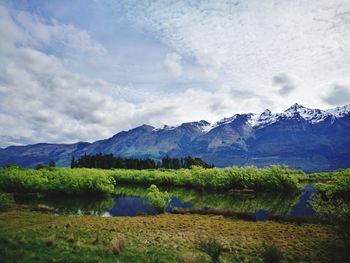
<point x="36" y="232"/>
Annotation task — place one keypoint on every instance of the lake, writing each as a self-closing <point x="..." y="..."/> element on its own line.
<point x="131" y="201"/>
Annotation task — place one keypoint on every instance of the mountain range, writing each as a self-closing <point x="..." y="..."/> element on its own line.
<point x="300" y="137"/>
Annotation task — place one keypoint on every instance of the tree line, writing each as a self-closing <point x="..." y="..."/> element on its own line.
<point x="108" y="161"/>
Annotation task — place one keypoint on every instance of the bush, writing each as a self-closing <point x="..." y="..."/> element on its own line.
<point x="86" y="181"/>
<point x="274" y="178"/>
<point x="332" y="201"/>
<point x="58" y="181"/>
<point x="159" y="200"/>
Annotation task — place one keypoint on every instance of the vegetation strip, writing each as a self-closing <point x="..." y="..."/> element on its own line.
<point x="87" y="181"/>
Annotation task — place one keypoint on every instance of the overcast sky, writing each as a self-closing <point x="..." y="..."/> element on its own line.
<point x="85" y="70"/>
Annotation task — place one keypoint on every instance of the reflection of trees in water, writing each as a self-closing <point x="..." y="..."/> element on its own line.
<point x="71" y="205"/>
<point x="276" y="203"/>
<point x="335" y="209"/>
<point x="333" y="201"/>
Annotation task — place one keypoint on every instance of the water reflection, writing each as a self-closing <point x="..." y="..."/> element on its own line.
<point x="131" y="201"/>
<point x="135" y="205"/>
<point x="131" y="206"/>
<point x="303" y="207"/>
<point x="69" y="205"/>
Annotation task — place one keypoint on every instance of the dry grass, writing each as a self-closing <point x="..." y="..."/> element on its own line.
<point x="117" y="245"/>
<point x="79" y="243"/>
<point x="177" y="233"/>
<point x="192" y="258"/>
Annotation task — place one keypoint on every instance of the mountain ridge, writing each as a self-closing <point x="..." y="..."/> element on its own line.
<point x="300" y="137"/>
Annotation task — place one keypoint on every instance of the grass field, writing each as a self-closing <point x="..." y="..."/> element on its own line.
<point x="27" y="235"/>
<point x="163" y="238"/>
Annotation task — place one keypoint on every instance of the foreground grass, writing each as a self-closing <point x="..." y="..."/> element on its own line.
<point x="27" y="236"/>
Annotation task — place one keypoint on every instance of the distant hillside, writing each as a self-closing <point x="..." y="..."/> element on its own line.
<point x="302" y="138"/>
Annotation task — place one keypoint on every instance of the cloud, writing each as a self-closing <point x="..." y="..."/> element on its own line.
<point x="285" y="84"/>
<point x="249" y="42"/>
<point x="173" y="62"/>
<point x="64" y="38"/>
<point x="338" y="95"/>
<point x="223" y="56"/>
<point x="41" y="100"/>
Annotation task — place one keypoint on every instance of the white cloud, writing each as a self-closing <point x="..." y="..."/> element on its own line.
<point x="173" y="62"/>
<point x="65" y="38"/>
<point x="243" y="47"/>
<point x="42" y="101"/>
<point x="250" y="42"/>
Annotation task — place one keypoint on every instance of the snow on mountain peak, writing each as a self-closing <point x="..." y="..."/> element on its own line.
<point x="266" y="114"/>
<point x="203" y="125"/>
<point x="296" y="111"/>
<point x="340" y="111"/>
<point x="311" y="115"/>
<point x="294" y="108"/>
<point x="165" y="128"/>
<point x="225" y="120"/>
<point x="266" y="118"/>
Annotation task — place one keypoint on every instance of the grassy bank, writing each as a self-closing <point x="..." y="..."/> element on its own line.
<point x="163" y="238"/>
<point x="338" y="186"/>
<point x="87" y="181"/>
<point x="274" y="178"/>
<point x="57" y="181"/>
<point x="81" y="181"/>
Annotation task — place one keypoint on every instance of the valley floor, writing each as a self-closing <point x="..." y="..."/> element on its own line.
<point x="28" y="236"/>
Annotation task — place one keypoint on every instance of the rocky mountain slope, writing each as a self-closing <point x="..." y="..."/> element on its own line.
<point x="302" y="138"/>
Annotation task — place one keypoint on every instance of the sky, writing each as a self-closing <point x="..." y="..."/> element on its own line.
<point x="84" y="70"/>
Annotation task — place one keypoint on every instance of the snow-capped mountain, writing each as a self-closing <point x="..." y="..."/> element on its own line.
<point x="300" y="137"/>
<point x="340" y="111"/>
<point x="295" y="111"/>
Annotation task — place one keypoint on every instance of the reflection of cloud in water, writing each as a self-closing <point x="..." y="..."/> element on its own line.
<point x="131" y="206"/>
<point x="106" y="214"/>
<point x="303" y="208"/>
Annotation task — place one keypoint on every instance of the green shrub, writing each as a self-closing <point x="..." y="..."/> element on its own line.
<point x="337" y="187"/>
<point x="57" y="181"/>
<point x="86" y="181"/>
<point x="332" y="201"/>
<point x="274" y="178"/>
<point x="159" y="200"/>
